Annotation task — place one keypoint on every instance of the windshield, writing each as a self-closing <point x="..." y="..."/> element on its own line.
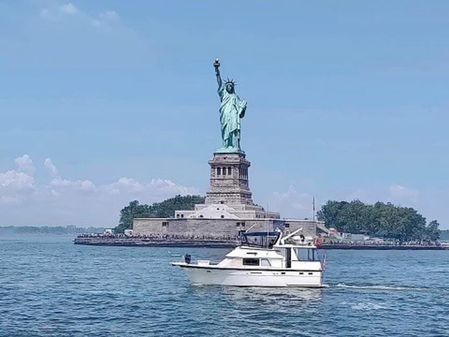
<point x="259" y="239"/>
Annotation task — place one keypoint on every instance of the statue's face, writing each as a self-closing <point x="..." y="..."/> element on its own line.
<point x="230" y="88"/>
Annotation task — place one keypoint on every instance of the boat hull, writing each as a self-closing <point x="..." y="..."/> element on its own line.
<point x="253" y="278"/>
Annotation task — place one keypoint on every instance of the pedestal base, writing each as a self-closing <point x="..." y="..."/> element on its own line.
<point x="229" y="179"/>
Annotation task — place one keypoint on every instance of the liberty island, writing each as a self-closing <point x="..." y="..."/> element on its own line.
<point x="229" y="208"/>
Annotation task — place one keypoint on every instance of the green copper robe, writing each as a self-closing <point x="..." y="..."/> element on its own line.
<point x="232" y="108"/>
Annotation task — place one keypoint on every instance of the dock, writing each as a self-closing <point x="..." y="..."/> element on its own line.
<point x="222" y="242"/>
<point x="143" y="241"/>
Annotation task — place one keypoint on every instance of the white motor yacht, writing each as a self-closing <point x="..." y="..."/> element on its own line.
<point x="264" y="259"/>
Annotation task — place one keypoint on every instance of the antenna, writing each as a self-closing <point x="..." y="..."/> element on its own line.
<point x="266" y="226"/>
<point x="313" y="208"/>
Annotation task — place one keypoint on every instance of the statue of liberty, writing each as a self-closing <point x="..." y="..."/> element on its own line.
<point x="232" y="109"/>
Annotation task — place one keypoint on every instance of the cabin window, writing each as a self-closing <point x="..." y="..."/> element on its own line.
<point x="222" y="216"/>
<point x="251" y="262"/>
<point x="265" y="263"/>
<point x="306" y="254"/>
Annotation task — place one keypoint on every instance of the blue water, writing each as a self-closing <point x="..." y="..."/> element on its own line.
<point x="50" y="287"/>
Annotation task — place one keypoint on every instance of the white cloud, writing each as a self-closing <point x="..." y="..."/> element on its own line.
<point x="125" y="184"/>
<point x="62" y="201"/>
<point x="59" y="200"/>
<point x="25" y="164"/>
<point x="292" y="203"/>
<point x="58" y="34"/>
<point x="51" y="168"/>
<point x="109" y="15"/>
<point x="15" y="185"/>
<point x="69" y="9"/>
<point x="399" y="193"/>
<point x="16" y="181"/>
<point x="80" y="185"/>
<point x="60" y="12"/>
<point x="395" y="193"/>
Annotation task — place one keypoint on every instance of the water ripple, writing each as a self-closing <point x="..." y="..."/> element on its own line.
<point x="55" y="288"/>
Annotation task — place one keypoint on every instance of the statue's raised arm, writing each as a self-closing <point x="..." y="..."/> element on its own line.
<point x="217" y="73"/>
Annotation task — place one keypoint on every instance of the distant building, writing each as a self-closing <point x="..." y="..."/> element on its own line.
<point x="354" y="237"/>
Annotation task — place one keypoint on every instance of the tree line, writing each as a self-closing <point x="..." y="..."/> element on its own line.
<point x="383" y="220"/>
<point x="164" y="209"/>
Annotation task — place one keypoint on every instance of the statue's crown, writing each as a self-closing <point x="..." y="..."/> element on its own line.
<point x="230" y="81"/>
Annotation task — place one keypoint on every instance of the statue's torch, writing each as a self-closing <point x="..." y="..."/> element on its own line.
<point x="216" y="66"/>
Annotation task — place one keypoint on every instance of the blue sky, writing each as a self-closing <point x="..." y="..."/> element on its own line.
<point x="103" y="102"/>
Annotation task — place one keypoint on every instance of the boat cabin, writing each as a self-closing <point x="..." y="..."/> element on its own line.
<point x="270" y="250"/>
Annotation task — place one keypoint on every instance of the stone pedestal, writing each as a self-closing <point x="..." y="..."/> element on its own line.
<point x="229" y="195"/>
<point x="229" y="180"/>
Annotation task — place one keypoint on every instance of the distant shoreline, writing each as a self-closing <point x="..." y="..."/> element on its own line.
<point x="383" y="247"/>
<point x="69" y="229"/>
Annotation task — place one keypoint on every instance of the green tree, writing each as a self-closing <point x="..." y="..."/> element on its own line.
<point x="381" y="220"/>
<point x="433" y="231"/>
<point x="167" y="208"/>
<point x="128" y="213"/>
<point x="164" y="209"/>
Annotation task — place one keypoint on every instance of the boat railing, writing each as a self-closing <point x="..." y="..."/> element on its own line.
<point x="201" y="262"/>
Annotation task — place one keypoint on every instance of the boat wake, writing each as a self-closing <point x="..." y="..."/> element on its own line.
<point x="378" y="287"/>
<point x="368" y="306"/>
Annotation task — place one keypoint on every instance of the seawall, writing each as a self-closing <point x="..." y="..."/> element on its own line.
<point x="220" y="242"/>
